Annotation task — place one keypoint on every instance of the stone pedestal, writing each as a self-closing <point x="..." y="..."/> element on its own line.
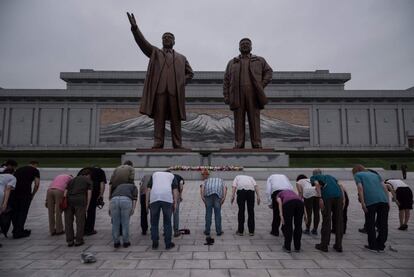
<point x="158" y="158"/>
<point x="250" y="159"/>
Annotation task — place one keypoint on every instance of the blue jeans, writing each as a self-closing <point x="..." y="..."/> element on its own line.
<point x="120" y="212"/>
<point x="213" y="202"/>
<point x="155" y="211"/>
<point x="176" y="217"/>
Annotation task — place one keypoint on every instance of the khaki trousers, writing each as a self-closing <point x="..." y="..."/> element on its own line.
<point x="54" y="198"/>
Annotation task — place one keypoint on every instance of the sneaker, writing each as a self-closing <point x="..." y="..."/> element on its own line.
<point x="321" y="248"/>
<point x="87" y="257"/>
<point x="126" y="244"/>
<point x="297" y="250"/>
<point x="306" y="231"/>
<point x="79" y="243"/>
<point x="220" y="233"/>
<point x="276" y="234"/>
<point x="169" y="246"/>
<point x="155" y="244"/>
<point x="177" y="234"/>
<point x="381" y="250"/>
<point x="117" y="244"/>
<point x="314" y="232"/>
<point x="362" y="230"/>
<point x="338" y="249"/>
<point x="251" y="234"/>
<point x="286" y="250"/>
<point x="239" y="233"/>
<point x="374" y="250"/>
<point x="403" y="227"/>
<point x="21" y="235"/>
<point x="94" y="232"/>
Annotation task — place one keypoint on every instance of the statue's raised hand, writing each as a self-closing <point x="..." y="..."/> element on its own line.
<point x="132" y="20"/>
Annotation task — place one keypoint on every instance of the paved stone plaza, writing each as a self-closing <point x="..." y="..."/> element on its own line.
<point x="231" y="255"/>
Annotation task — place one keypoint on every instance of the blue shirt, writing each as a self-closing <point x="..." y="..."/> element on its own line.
<point x="214" y="186"/>
<point x="372" y="187"/>
<point x="329" y="186"/>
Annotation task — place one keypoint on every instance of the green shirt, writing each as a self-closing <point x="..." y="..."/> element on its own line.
<point x="372" y="186"/>
<point x="329" y="186"/>
<point x="78" y="191"/>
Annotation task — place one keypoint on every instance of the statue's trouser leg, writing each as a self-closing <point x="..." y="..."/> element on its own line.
<point x="175" y="121"/>
<point x="253" y="116"/>
<point x="239" y="124"/>
<point x="161" y="106"/>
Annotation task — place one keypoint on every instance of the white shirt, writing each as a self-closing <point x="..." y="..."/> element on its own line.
<point x="308" y="190"/>
<point x="161" y="189"/>
<point x="277" y="182"/>
<point x="396" y="183"/>
<point x="244" y="182"/>
<point x="6" y="180"/>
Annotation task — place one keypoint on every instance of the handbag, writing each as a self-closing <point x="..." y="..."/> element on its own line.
<point x="64" y="204"/>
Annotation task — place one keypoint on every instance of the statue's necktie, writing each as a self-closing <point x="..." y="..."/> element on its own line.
<point x="169" y="58"/>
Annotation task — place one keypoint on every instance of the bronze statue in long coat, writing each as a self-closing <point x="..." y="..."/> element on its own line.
<point x="245" y="78"/>
<point x="163" y="96"/>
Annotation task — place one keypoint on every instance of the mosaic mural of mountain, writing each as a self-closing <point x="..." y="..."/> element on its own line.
<point x="204" y="130"/>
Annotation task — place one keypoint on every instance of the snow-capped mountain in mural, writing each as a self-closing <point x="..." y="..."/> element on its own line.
<point x="210" y="129"/>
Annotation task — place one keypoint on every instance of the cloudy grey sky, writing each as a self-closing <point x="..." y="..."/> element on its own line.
<point x="371" y="39"/>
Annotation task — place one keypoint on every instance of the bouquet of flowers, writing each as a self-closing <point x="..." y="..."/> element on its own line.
<point x="208" y="168"/>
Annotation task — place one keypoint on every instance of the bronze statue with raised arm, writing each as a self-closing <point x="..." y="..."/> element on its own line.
<point x="245" y="78"/>
<point x="163" y="96"/>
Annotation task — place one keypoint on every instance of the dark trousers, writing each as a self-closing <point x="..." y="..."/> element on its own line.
<point x="293" y="215"/>
<point x="245" y="197"/>
<point x="248" y="105"/>
<point x="144" y="212"/>
<point x="70" y="214"/>
<point x="312" y="208"/>
<point x="166" y="107"/>
<point x="344" y="216"/>
<point x="155" y="209"/>
<point x="333" y="208"/>
<point x="20" y="208"/>
<point x="91" y="215"/>
<point x="276" y="217"/>
<point x="377" y="215"/>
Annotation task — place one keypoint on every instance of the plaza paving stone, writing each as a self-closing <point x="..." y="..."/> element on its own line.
<point x="231" y="255"/>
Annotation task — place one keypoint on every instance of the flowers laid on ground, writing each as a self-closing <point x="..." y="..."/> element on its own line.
<point x="208" y="168"/>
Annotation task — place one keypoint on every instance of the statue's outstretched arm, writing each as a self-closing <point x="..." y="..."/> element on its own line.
<point x="143" y="44"/>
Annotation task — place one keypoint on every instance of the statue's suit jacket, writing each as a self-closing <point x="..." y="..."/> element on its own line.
<point x="182" y="69"/>
<point x="183" y="73"/>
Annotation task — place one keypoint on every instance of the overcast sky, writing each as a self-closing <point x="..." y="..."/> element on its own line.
<point x="371" y="39"/>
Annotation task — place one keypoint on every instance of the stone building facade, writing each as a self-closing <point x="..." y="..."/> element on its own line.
<point x="306" y="110"/>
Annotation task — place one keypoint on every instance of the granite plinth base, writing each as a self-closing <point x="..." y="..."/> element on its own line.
<point x="250" y="158"/>
<point x="164" y="159"/>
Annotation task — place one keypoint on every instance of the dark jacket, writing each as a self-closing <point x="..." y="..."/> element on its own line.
<point x="260" y="74"/>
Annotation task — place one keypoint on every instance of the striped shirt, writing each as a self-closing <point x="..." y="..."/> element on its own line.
<point x="214" y="186"/>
